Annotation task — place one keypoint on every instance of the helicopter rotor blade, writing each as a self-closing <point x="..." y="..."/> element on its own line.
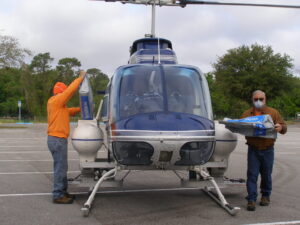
<point x="196" y="2"/>
<point x="183" y="3"/>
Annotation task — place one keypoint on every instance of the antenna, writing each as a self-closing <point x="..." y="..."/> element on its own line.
<point x="153" y="20"/>
<point x="158" y="50"/>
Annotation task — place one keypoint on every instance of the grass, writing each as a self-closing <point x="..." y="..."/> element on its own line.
<point x="11" y="127"/>
<point x="8" y="121"/>
<point x="33" y="120"/>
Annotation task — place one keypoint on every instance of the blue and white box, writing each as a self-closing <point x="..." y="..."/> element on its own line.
<point x="253" y="126"/>
<point x="86" y="100"/>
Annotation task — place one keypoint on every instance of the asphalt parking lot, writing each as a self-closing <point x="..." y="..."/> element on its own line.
<point x="26" y="183"/>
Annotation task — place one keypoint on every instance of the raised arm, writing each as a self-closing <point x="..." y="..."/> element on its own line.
<point x="64" y="97"/>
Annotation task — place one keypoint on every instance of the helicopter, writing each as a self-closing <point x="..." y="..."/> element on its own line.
<point x="156" y="114"/>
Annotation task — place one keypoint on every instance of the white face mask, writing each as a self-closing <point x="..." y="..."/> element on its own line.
<point x="258" y="104"/>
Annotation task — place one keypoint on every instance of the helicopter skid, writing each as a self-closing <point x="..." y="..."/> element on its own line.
<point x="218" y="196"/>
<point x="88" y="204"/>
<point x="231" y="210"/>
<point x="206" y="183"/>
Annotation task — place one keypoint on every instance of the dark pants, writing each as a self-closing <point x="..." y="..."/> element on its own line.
<point x="59" y="150"/>
<point x="259" y="162"/>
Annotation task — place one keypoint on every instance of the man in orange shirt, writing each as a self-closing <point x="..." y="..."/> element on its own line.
<point x="261" y="152"/>
<point x="58" y="132"/>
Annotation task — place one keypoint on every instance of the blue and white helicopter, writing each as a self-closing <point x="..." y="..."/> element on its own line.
<point x="156" y="114"/>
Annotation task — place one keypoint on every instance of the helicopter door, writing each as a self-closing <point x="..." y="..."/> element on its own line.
<point x="103" y="118"/>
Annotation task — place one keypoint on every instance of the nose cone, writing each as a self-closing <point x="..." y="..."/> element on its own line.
<point x="191" y="139"/>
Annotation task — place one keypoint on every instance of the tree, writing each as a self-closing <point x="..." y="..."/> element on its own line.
<point x="41" y="62"/>
<point x="247" y="68"/>
<point x="33" y="83"/>
<point x="11" y="54"/>
<point x="67" y="67"/>
<point x="289" y="102"/>
<point x="98" y="79"/>
<point x="38" y="80"/>
<point x="11" y="92"/>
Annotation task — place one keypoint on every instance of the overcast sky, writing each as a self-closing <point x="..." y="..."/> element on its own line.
<point x="99" y="34"/>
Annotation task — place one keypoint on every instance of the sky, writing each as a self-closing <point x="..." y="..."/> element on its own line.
<point x="99" y="34"/>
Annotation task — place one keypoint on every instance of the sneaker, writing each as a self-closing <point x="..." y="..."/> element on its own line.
<point x="63" y="200"/>
<point x="265" y="201"/>
<point x="251" y="206"/>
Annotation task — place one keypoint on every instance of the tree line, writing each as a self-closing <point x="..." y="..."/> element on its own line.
<point x="245" y="69"/>
<point x="234" y="77"/>
<point x="32" y="83"/>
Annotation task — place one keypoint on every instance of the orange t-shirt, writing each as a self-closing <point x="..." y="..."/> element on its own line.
<point x="59" y="114"/>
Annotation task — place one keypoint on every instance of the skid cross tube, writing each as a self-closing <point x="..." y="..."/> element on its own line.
<point x="87" y="205"/>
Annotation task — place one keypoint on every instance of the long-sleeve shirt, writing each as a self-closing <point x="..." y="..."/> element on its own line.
<point x="59" y="114"/>
<point x="264" y="143"/>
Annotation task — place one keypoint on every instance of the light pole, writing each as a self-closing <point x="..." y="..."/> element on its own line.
<point x="19" y="105"/>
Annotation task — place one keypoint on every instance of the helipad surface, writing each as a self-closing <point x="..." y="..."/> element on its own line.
<point x="26" y="182"/>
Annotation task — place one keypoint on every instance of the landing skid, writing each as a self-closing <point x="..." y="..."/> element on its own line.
<point x="231" y="210"/>
<point x="218" y="196"/>
<point x="88" y="204"/>
<point x="207" y="184"/>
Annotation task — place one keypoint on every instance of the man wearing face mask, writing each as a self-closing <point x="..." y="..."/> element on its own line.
<point x="261" y="152"/>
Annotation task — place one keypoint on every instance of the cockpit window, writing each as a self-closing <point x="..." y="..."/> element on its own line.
<point x="147" y="88"/>
<point x="184" y="91"/>
<point x="140" y="91"/>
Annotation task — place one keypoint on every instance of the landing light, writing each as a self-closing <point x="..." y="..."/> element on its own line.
<point x="133" y="153"/>
<point x="195" y="153"/>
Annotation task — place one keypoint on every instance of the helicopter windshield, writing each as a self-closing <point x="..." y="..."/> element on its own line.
<point x="159" y="88"/>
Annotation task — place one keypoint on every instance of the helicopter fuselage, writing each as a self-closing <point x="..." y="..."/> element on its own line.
<point x="158" y="116"/>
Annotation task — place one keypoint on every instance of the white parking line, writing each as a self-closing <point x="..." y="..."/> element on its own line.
<point x="104" y="192"/>
<point x="22" y="146"/>
<point x="28" y="152"/>
<point x="30" y="173"/>
<point x="29" y="194"/>
<point x="277" y="223"/>
<point x="21" y="152"/>
<point x="31" y="160"/>
<point x="7" y="138"/>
